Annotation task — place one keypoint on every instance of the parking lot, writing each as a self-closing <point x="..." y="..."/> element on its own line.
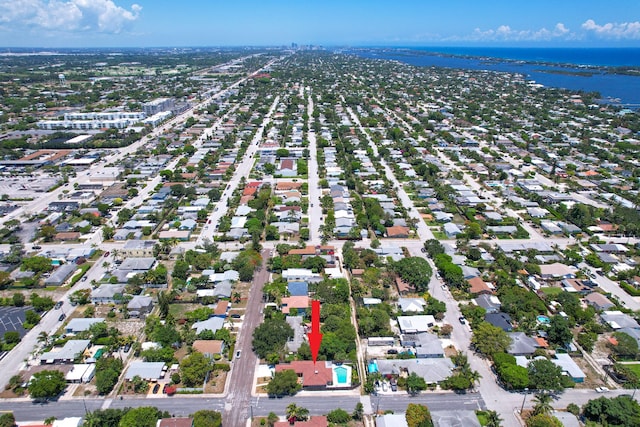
<point x="12" y="318"/>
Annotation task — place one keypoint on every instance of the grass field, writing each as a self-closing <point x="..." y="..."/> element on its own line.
<point x="634" y="367"/>
<point x="552" y="292"/>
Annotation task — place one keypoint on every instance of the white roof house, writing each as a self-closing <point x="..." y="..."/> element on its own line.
<point x="414" y="305"/>
<point x="212" y="324"/>
<point x="149" y="371"/>
<point x="414" y="324"/>
<point x="82" y="324"/>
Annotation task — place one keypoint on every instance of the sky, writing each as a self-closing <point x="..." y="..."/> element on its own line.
<point x="152" y="23"/>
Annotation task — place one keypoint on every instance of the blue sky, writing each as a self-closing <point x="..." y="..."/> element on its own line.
<point x="142" y="23"/>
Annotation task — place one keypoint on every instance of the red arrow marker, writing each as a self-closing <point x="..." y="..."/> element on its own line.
<point x="315" y="337"/>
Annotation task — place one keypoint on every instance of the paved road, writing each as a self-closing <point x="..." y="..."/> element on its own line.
<point x="240" y="384"/>
<point x="315" y="192"/>
<point x="242" y="171"/>
<point x="613" y="288"/>
<point x="317" y="403"/>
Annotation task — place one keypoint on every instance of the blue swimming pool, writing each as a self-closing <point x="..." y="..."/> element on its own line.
<point x="373" y="367"/>
<point x="341" y="374"/>
<point x="543" y="319"/>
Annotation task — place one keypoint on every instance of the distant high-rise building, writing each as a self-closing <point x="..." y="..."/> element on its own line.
<point x="158" y="105"/>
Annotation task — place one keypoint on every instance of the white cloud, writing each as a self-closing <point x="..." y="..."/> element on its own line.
<point x="67" y="15"/>
<point x="613" y="30"/>
<point x="506" y="33"/>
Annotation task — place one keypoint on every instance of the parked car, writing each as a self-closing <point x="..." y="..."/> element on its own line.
<point x="156" y="388"/>
<point x="36" y="247"/>
<point x="392" y="351"/>
<point x="238" y="354"/>
<point x="62" y="317"/>
<point x="601" y="389"/>
<point x="58" y="305"/>
<point x="462" y="320"/>
<point x="106" y="254"/>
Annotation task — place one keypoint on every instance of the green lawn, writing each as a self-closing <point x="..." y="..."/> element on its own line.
<point x="552" y="292"/>
<point x="634" y="367"/>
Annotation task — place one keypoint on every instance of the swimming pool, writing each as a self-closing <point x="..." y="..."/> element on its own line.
<point x="543" y="319"/>
<point x="341" y="374"/>
<point x="373" y="367"/>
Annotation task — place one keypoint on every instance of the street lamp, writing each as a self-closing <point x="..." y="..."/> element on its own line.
<point x="524" y="398"/>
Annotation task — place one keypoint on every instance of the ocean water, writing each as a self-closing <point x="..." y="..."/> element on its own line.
<point x="598" y="57"/>
<point x="548" y="67"/>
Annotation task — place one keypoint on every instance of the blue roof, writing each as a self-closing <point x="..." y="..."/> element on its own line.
<point x="298" y="289"/>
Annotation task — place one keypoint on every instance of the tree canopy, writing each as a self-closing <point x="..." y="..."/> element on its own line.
<point x="194" y="369"/>
<point x="46" y="384"/>
<point x="545" y="375"/>
<point x="207" y="418"/>
<point x="271" y="336"/>
<point x="616" y="412"/>
<point x="489" y="339"/>
<point x="418" y="416"/>
<point x="415" y="271"/>
<point x="284" y="383"/>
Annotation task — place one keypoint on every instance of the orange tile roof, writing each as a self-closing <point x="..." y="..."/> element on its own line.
<point x="403" y="286"/>
<point x="221" y="308"/>
<point x="286" y="185"/>
<point x="397" y="230"/>
<point x="249" y="191"/>
<point x="312" y="375"/>
<point x="208" y="346"/>
<point x="477" y="285"/>
<point x="309" y="250"/>
<point x="316" y="421"/>
<point x="542" y="342"/>
<point x="294" y="302"/>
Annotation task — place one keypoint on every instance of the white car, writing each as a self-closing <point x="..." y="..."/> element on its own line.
<point x="601" y="389"/>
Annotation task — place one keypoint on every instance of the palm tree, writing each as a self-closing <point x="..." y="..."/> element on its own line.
<point x="43" y="337"/>
<point x="297" y="413"/>
<point x="543" y="404"/>
<point x="493" y="419"/>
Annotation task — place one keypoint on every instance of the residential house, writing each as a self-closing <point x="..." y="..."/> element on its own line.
<point x="425" y="345"/>
<point x="294" y="305"/>
<point x="210" y="348"/>
<point x="432" y="370"/>
<point x="138" y="248"/>
<point x="175" y="422"/>
<point x="312" y="376"/>
<point x="148" y="371"/>
<point x="60" y="275"/>
<point x="212" y="324"/>
<point x="598" y="301"/>
<point x="451" y="230"/>
<point x="140" y="306"/>
<point x="107" y="293"/>
<point x="314" y="421"/>
<point x="412" y="305"/>
<point x="500" y="319"/>
<point x="556" y="271"/>
<point x="490" y="303"/>
<point x="479" y="286"/>
<point x="298" y="288"/>
<point x="521" y="344"/>
<point x="72" y="350"/>
<point x="80" y="324"/>
<point x="397" y="232"/>
<point x="415" y="324"/>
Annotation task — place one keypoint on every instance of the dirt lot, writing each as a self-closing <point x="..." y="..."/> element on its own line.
<point x="216" y="382"/>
